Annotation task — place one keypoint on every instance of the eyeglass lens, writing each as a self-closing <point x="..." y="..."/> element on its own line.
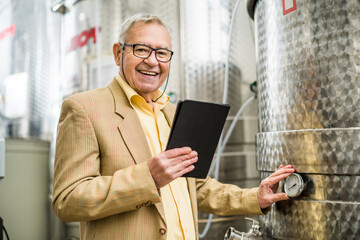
<point x="143" y="51"/>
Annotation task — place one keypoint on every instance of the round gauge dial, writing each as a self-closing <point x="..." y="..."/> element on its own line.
<point x="294" y="185"/>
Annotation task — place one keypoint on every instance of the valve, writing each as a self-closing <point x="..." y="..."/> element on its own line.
<point x="254" y="232"/>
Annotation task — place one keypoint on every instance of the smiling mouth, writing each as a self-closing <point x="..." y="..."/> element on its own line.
<point x="148" y="73"/>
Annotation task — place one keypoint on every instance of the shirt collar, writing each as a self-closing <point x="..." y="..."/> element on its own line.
<point x="131" y="93"/>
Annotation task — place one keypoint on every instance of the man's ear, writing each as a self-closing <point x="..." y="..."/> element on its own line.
<point x="117" y="53"/>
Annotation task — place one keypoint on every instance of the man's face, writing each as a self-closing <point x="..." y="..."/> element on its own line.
<point x="145" y="76"/>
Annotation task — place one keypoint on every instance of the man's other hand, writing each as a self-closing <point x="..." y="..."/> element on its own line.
<point x="171" y="164"/>
<point x="268" y="187"/>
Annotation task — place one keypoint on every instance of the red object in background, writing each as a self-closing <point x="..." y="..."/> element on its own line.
<point x="288" y="9"/>
<point x="10" y="31"/>
<point x="81" y="40"/>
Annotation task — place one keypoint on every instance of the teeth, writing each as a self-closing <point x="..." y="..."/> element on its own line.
<point x="148" y="73"/>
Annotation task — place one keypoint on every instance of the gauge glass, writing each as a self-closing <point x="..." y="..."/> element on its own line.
<point x="294" y="185"/>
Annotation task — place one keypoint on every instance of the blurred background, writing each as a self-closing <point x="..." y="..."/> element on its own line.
<point x="304" y="63"/>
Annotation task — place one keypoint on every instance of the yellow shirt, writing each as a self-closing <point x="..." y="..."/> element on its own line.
<point x="175" y="196"/>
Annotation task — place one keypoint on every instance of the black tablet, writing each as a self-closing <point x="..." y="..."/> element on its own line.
<point x="198" y="125"/>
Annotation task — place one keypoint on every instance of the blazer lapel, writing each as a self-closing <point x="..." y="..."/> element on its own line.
<point x="131" y="131"/>
<point x="192" y="192"/>
<point x="169" y="112"/>
<point x="130" y="127"/>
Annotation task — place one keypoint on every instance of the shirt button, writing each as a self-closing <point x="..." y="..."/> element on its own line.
<point x="162" y="231"/>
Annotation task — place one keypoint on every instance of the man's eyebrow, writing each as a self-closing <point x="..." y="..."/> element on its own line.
<point x="166" y="47"/>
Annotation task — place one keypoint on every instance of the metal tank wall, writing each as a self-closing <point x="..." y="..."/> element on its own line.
<point x="205" y="44"/>
<point x="308" y="58"/>
<point x="29" y="99"/>
<point x="29" y="68"/>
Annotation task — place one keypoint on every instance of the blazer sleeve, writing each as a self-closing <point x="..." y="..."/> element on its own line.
<point x="226" y="199"/>
<point x="80" y="192"/>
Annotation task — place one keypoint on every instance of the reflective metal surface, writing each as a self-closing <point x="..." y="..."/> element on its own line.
<point x="325" y="151"/>
<point x="29" y="48"/>
<point x="308" y="65"/>
<point x="308" y="58"/>
<point x="313" y="220"/>
<point x="253" y="233"/>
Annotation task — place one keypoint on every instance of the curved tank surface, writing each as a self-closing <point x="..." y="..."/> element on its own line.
<point x="308" y="73"/>
<point x="29" y="68"/>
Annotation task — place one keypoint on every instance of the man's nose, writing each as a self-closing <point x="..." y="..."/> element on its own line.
<point x="151" y="60"/>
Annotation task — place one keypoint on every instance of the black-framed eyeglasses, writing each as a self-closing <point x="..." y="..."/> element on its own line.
<point x="144" y="51"/>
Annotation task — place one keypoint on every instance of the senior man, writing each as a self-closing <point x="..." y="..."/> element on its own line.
<point x="112" y="173"/>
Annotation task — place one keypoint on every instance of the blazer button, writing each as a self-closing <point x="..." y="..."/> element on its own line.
<point x="149" y="203"/>
<point x="138" y="206"/>
<point x="143" y="205"/>
<point x="162" y="231"/>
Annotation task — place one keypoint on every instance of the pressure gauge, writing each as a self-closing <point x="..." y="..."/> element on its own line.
<point x="294" y="185"/>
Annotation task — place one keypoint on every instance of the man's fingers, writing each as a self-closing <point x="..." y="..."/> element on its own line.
<point x="281" y="174"/>
<point x="176" y="152"/>
<point x="178" y="164"/>
<point x="185" y="170"/>
<point x="275" y="179"/>
<point x="192" y="154"/>
<point x="165" y="168"/>
<point x="265" y="200"/>
<point x="286" y="169"/>
<point x="181" y="159"/>
<point x="269" y="185"/>
<point x="280" y="197"/>
<point x="185" y="164"/>
<point x="286" y="166"/>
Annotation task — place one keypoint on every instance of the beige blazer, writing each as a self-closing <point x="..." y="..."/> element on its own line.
<point x="101" y="176"/>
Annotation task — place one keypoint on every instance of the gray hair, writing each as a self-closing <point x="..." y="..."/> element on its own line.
<point x="140" y="17"/>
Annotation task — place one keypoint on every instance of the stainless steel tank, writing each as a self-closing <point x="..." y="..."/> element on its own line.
<point x="308" y="73"/>
<point x="29" y="68"/>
